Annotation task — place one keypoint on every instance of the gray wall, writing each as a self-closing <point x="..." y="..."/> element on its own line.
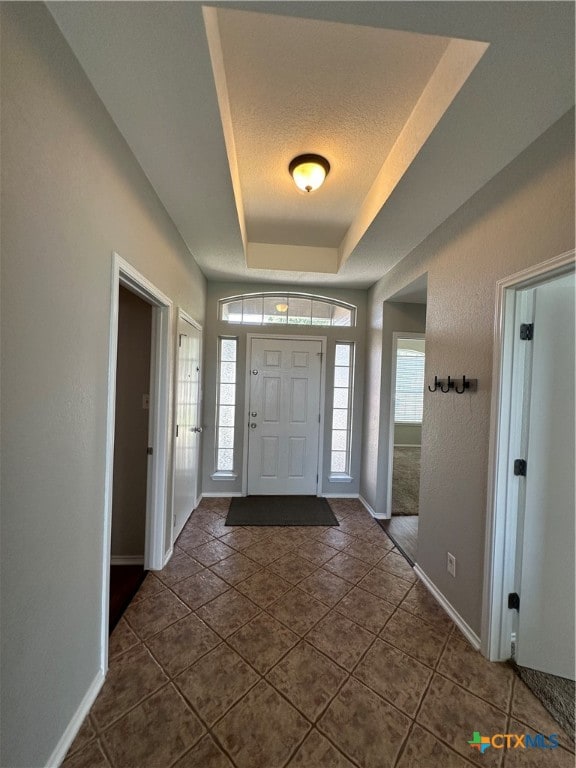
<point x="131" y="425"/>
<point x="384" y="319"/>
<point x="522" y="217"/>
<point x="407" y="434"/>
<point x="215" y="328"/>
<point x="71" y="194"/>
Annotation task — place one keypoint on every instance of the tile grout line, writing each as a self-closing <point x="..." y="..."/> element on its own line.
<point x="412" y="718"/>
<point x="300" y="639"/>
<point x="292" y="548"/>
<point x="404" y="744"/>
<point x="107" y="755"/>
<point x="210" y="728"/>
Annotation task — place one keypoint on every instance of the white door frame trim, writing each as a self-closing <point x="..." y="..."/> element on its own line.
<point x="183" y="315"/>
<point x="324" y="341"/>
<point x="501" y="524"/>
<point x="395" y="336"/>
<point x="126" y="275"/>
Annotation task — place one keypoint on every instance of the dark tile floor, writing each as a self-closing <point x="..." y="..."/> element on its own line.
<point x="299" y="647"/>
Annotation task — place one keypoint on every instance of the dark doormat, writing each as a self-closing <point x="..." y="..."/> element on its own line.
<point x="555" y="693"/>
<point x="280" y="510"/>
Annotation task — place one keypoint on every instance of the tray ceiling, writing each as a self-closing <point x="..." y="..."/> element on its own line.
<point x="417" y="105"/>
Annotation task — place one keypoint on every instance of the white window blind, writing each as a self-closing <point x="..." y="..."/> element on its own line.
<point x="409" y="386"/>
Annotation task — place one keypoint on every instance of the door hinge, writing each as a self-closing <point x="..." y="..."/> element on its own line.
<point x="527" y="331"/>
<point x="318" y="418"/>
<point x="149" y="451"/>
<point x="514" y="601"/>
<point x="176" y="430"/>
<point x="520" y="467"/>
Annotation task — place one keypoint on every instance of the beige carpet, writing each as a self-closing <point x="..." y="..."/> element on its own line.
<point x="557" y="694"/>
<point x="406" y="480"/>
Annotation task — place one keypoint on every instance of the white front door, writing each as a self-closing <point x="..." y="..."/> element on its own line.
<point x="284" y="416"/>
<point x="546" y="615"/>
<point x="187" y="441"/>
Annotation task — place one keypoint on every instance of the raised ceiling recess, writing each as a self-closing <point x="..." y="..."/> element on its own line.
<point x="366" y="99"/>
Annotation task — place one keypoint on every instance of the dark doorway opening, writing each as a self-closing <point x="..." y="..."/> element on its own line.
<point x="125" y="581"/>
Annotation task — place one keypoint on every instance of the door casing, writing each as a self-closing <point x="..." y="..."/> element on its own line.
<point x="123" y="273"/>
<point x="505" y="435"/>
<point x="182" y="315"/>
<point x="323" y="341"/>
<point x="545" y="580"/>
<point x="393" y="363"/>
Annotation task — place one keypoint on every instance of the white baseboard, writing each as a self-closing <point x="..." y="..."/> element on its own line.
<point x="221" y="494"/>
<point x="407" y="445"/>
<point x="376" y="515"/>
<point x="338" y="495"/>
<point x="466" y="630"/>
<point x="75" y="723"/>
<point x="188" y="516"/>
<point x="127" y="560"/>
<point x="167" y="557"/>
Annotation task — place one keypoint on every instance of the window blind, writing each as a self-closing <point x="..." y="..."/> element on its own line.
<point x="409" y="386"/>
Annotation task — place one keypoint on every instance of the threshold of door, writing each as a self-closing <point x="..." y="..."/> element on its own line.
<point x="402" y="530"/>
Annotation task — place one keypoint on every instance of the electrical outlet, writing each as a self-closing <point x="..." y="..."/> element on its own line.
<point x="451" y="565"/>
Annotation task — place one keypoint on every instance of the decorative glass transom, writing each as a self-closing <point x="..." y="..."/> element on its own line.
<point x="286" y="309"/>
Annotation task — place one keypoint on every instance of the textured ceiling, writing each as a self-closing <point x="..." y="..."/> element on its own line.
<point x="293" y="87"/>
<point x="151" y="65"/>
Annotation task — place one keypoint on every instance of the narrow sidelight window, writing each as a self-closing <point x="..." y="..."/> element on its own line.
<point x="226" y="404"/>
<point x="342" y="408"/>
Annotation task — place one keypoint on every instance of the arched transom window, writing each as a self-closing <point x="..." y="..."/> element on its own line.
<point x="286" y="309"/>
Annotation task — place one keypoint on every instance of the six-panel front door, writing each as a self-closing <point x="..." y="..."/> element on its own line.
<point x="284" y="416"/>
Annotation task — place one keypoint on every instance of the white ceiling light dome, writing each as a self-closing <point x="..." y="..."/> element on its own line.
<point x="309" y="171"/>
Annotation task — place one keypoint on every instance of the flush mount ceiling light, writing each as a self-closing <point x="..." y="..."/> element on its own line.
<point x="281" y="307"/>
<point x="309" y="171"/>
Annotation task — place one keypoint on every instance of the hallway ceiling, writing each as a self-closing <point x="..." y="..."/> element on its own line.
<point x="415" y="104"/>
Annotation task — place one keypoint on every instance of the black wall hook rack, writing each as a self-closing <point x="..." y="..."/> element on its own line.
<point x="459" y="386"/>
<point x="466" y="384"/>
<point x="449" y="385"/>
